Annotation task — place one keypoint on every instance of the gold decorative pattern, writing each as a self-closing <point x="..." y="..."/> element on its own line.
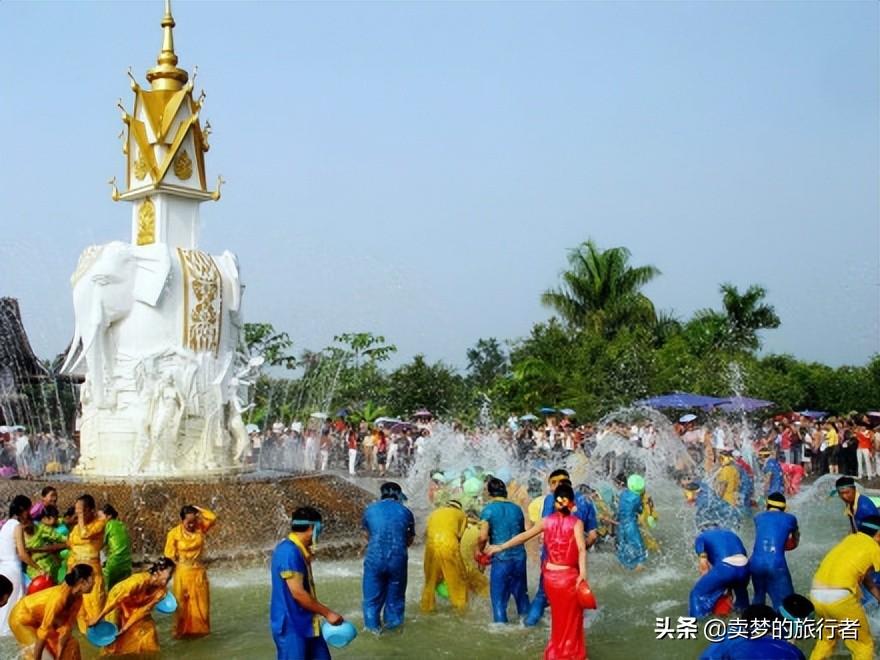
<point x="140" y="168"/>
<point x="183" y="166"/>
<point x="146" y="229"/>
<point x="202" y="301"/>
<point x="165" y="118"/>
<point x="86" y="259"/>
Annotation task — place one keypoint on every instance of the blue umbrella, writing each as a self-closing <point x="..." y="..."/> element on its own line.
<point x="743" y="403"/>
<point x="528" y="418"/>
<point x="547" y="410"/>
<point x="813" y="414"/>
<point x="681" y="400"/>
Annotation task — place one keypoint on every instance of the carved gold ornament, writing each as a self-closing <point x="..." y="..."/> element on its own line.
<point x="140" y="168"/>
<point x="202" y="299"/>
<point x="146" y="233"/>
<point x="183" y="167"/>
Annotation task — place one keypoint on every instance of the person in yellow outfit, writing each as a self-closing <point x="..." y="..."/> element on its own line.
<point x="647" y="521"/>
<point x="443" y="531"/>
<point x="184" y="544"/>
<point x="477" y="581"/>
<point x="727" y="480"/>
<point x="129" y="604"/>
<point x="44" y="620"/>
<point x="85" y="542"/>
<point x="836" y="592"/>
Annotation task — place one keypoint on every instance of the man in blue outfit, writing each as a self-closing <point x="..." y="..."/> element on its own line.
<point x="723" y="566"/>
<point x="585" y="511"/>
<point x="752" y="646"/>
<point x="294" y="611"/>
<point x="774" y="478"/>
<point x="390" y="529"/>
<point x="501" y="521"/>
<point x="775" y="532"/>
<point x="857" y="506"/>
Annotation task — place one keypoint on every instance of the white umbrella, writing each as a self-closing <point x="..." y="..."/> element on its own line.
<point x="319" y="415"/>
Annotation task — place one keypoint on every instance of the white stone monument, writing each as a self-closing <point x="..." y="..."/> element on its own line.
<point x="158" y="322"/>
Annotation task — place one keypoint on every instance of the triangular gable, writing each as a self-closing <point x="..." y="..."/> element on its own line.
<point x="160" y="107"/>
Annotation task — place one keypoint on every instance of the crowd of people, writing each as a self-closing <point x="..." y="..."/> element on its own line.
<point x="483" y="521"/>
<point x="845" y="445"/>
<point x="60" y="570"/>
<point x="26" y="456"/>
<point x="480" y="521"/>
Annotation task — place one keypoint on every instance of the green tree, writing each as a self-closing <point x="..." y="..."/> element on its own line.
<point x="418" y="384"/>
<point x="366" y="345"/>
<point x="601" y="291"/>
<point x="736" y="327"/>
<point x="487" y="362"/>
<point x="263" y="339"/>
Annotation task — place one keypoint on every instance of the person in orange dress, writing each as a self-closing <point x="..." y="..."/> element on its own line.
<point x="85" y="541"/>
<point x="129" y="604"/>
<point x="44" y="620"/>
<point x="184" y="544"/>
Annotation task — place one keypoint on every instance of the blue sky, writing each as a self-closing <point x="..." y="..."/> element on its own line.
<point x="420" y="169"/>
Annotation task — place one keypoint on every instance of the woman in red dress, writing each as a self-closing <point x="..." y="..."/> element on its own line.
<point x="564" y="568"/>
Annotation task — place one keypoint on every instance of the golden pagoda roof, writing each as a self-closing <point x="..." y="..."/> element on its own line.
<point x="166" y="75"/>
<point x="163" y="117"/>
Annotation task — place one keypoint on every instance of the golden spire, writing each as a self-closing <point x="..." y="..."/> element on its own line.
<point x="166" y="75"/>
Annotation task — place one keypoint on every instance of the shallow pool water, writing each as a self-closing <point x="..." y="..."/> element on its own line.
<point x="623" y="628"/>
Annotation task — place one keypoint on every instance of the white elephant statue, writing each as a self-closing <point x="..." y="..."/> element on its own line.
<point x="145" y="314"/>
<point x="108" y="281"/>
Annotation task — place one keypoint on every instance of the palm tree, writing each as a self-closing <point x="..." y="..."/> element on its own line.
<point x="601" y="291"/>
<point x="736" y="328"/>
<point x="746" y="314"/>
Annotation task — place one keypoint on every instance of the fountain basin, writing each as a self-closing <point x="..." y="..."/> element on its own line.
<point x="253" y="509"/>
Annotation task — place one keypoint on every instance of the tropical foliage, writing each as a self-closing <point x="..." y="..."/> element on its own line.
<point x="605" y="346"/>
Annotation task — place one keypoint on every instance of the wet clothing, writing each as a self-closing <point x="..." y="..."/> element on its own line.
<point x="117" y="543"/>
<point x="761" y="648"/>
<point x="49" y="561"/>
<point x="190" y="584"/>
<point x="746" y="485"/>
<point x="85" y="548"/>
<point x="131" y="601"/>
<point x="391" y="527"/>
<point x="567" y="639"/>
<point x="586" y="512"/>
<point x="443" y="531"/>
<point x="861" y="508"/>
<point x="475" y="577"/>
<point x="767" y="565"/>
<point x="835" y="593"/>
<point x="777" y="478"/>
<point x="295" y="630"/>
<point x="647" y="519"/>
<point x="712" y="510"/>
<point x="630" y="546"/>
<point x="507" y="577"/>
<point x="730" y="477"/>
<point x="10" y="567"/>
<point x="724" y="550"/>
<point x="48" y="615"/>
<point x="794" y="475"/>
